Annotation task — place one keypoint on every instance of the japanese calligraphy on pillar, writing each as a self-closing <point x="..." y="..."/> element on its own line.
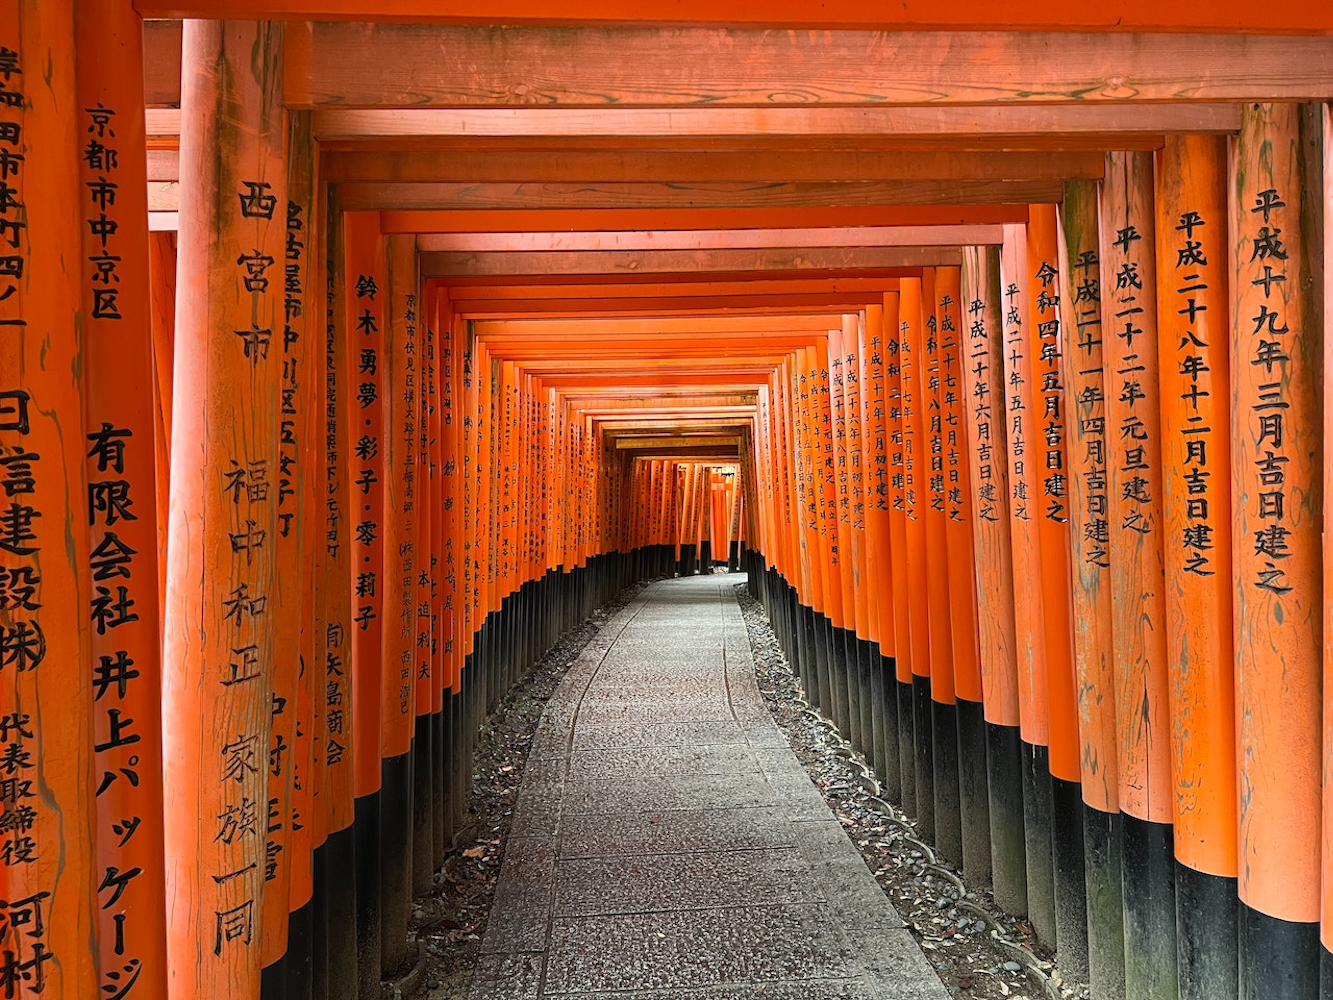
<point x="43" y="590"/>
<point x="121" y="457"/>
<point x="1046" y="370"/>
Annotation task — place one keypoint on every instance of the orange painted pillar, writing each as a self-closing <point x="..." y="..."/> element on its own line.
<point x="916" y="501"/>
<point x="879" y="548"/>
<point x="365" y="303"/>
<point x="1137" y="584"/>
<point x="969" y="708"/>
<point x="838" y="537"/>
<point x="1026" y="465"/>
<point x="52" y="880"/>
<point x="987" y="397"/>
<point x="219" y="634"/>
<point x="1326" y="852"/>
<point x="1089" y="512"/>
<point x="1193" y="309"/>
<point x="304" y="260"/>
<point x="902" y="638"/>
<point x="401" y="421"/>
<point x="334" y="951"/>
<point x="943" y="719"/>
<point x="1047" y="341"/>
<point x="1276" y="457"/>
<point x="121" y="422"/>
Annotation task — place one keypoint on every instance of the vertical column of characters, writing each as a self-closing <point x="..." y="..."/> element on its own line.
<point x="291" y="276"/>
<point x="221" y="581"/>
<point x="1138" y="608"/>
<point x="428" y="653"/>
<point x="299" y="472"/>
<point x="1089" y="511"/>
<point x="1024" y="504"/>
<point x="855" y="508"/>
<point x="465" y="399"/>
<point x="52" y="879"/>
<point x="987" y="398"/>
<point x="875" y="471"/>
<point x="940" y="642"/>
<point x="838" y="453"/>
<point x="893" y="396"/>
<point x="1276" y="453"/>
<point x="124" y="607"/>
<point x="333" y="555"/>
<point x="365" y="298"/>
<point x="449" y="503"/>
<point x="1047" y="344"/>
<point x="1026" y="461"/>
<point x="1196" y="502"/>
<point x="838" y="540"/>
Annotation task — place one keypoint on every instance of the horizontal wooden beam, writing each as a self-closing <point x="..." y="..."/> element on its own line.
<point x="618" y="219"/>
<point x="712" y="239"/>
<point x="459" y="265"/>
<point x="600" y="166"/>
<point x="683" y="287"/>
<point x="1013" y="126"/>
<point x="661" y="305"/>
<point x="434" y="65"/>
<point x="693" y="442"/>
<point x="448" y="197"/>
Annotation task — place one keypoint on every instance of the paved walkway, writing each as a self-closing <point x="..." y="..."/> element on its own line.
<point x="667" y="843"/>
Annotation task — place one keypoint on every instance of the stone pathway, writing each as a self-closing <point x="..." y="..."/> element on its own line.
<point x="667" y="844"/>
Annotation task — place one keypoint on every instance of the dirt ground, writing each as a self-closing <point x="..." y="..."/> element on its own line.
<point x="977" y="951"/>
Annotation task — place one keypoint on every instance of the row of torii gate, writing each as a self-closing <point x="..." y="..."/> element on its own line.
<point x="310" y="444"/>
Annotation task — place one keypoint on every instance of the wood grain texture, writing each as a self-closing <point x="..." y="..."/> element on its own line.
<point x="880" y="259"/>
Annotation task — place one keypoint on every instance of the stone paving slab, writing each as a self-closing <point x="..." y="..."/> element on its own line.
<point x="667" y="845"/>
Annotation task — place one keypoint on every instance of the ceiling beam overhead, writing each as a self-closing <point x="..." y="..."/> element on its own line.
<point x="357" y="197"/>
<point x="619" y="219"/>
<point x="457" y="66"/>
<point x="1019" y="126"/>
<point x="1111" y="15"/>
<point x="712" y="239"/>
<point x="575" y="263"/>
<point x="686" y="166"/>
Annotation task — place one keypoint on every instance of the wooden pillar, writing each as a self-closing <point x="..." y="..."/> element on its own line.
<point x="1047" y="341"/>
<point x="53" y="881"/>
<point x="1089" y="511"/>
<point x="365" y="303"/>
<point x="400" y="401"/>
<point x="1326" y="852"/>
<point x="1276" y="457"/>
<point x="1026" y="460"/>
<point x="162" y="316"/>
<point x="1138" y="623"/>
<point x="902" y="639"/>
<point x="335" y="954"/>
<point x="912" y="361"/>
<point x="943" y="713"/>
<point x="219" y="631"/>
<point x="121" y="423"/>
<point x="1194" y="312"/>
<point x="974" y="807"/>
<point x="987" y="423"/>
<point x="875" y="434"/>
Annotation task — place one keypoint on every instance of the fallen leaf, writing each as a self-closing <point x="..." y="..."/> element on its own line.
<point x="474" y="852"/>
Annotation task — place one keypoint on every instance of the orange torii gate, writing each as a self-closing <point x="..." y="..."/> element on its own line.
<point x="1060" y="575"/>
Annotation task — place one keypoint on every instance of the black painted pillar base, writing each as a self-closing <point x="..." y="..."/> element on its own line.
<point x="891" y="778"/>
<point x="395" y="863"/>
<point x="1150" y="912"/>
<point x="1278" y="958"/>
<point x="1207" y="943"/>
<point x="922" y="730"/>
<point x="973" y="800"/>
<point x="424" y="783"/>
<point x="821" y="663"/>
<point x="273" y="980"/>
<point x="872" y="691"/>
<point x="944" y="753"/>
<point x="366" y="827"/>
<point x="1325" y="974"/>
<point x="906" y="745"/>
<point x="300" y="951"/>
<point x="1071" y="886"/>
<point x="1008" y="843"/>
<point x="1039" y="842"/>
<point x="1103" y="840"/>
